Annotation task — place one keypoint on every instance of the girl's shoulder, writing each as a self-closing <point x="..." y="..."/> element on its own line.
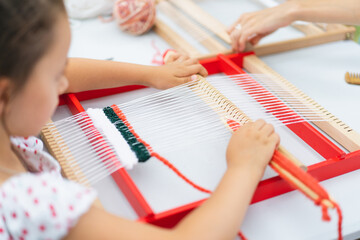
<point x="31" y="150"/>
<point x="41" y="206"/>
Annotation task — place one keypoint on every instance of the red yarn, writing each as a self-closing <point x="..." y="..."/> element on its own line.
<point x="157" y="57"/>
<point x="174" y="169"/>
<point x="300" y="174"/>
<point x="122" y="116"/>
<point x="311" y="183"/>
<point x="154" y="154"/>
<point x="234" y="125"/>
<point x="325" y="214"/>
<point x="242" y="236"/>
<point x="135" y="16"/>
<point x="338" y="210"/>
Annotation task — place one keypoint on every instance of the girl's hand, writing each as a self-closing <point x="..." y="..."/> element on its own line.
<point x="252" y="27"/>
<point x="179" y="69"/>
<point x="252" y="145"/>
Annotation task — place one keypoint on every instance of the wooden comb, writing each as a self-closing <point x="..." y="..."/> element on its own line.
<point x="352" y="78"/>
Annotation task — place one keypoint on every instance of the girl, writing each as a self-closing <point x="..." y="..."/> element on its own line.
<point x="40" y="204"/>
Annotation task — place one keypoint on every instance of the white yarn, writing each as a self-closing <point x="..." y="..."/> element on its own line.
<point x="122" y="149"/>
<point x="82" y="9"/>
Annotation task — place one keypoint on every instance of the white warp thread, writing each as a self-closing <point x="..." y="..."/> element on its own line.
<point x="122" y="149"/>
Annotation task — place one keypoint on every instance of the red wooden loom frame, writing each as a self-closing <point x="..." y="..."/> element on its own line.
<point x="337" y="162"/>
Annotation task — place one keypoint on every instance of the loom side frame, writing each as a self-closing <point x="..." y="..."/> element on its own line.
<point x="338" y="164"/>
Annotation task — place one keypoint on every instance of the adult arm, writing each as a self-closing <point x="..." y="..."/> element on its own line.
<point x="253" y="26"/>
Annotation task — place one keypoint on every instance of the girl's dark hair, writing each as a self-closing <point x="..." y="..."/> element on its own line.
<point x="26" y="32"/>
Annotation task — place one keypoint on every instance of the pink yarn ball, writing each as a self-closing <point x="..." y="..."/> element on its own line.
<point x="135" y="16"/>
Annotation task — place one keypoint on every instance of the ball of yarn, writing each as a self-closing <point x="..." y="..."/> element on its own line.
<point x="135" y="16"/>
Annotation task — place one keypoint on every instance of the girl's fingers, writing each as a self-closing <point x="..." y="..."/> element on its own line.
<point x="196" y="69"/>
<point x="259" y="124"/>
<point x="268" y="129"/>
<point x="182" y="80"/>
<point x="182" y="58"/>
<point x="185" y="79"/>
<point x="275" y="138"/>
<point x="202" y="71"/>
<point x="191" y="61"/>
<point x="171" y="56"/>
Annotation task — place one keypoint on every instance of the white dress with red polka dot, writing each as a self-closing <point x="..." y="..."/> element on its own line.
<point x="42" y="204"/>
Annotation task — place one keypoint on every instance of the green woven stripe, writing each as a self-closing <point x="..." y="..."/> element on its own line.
<point x="137" y="147"/>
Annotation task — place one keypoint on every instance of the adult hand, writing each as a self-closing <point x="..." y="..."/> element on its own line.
<point x="252" y="27"/>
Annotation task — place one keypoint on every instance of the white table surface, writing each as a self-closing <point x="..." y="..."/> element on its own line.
<point x="318" y="71"/>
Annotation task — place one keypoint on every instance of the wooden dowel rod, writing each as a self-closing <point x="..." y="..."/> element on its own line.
<point x="300" y="185"/>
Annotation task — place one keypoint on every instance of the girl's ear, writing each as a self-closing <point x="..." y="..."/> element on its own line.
<point x="4" y="93"/>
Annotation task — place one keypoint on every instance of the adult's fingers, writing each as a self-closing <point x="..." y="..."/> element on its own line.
<point x="231" y="28"/>
<point x="256" y="39"/>
<point x="244" y="37"/>
<point x="235" y="36"/>
<point x="241" y="20"/>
